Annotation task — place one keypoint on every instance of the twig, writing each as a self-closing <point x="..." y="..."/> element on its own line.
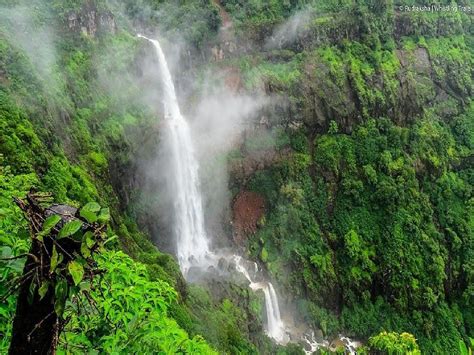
<point x="39" y="324"/>
<point x="35" y="258"/>
<point x="18" y="284"/>
<point x="60" y="247"/>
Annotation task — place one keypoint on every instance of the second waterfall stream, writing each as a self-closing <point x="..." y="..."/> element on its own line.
<point x="192" y="243"/>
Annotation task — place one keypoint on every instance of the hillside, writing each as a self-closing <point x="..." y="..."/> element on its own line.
<point x="333" y="144"/>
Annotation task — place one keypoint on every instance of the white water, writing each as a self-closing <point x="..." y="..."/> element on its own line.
<point x="312" y="345"/>
<point x="192" y="241"/>
<point x="275" y="326"/>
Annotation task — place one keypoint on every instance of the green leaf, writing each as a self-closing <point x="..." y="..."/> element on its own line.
<point x="110" y="239"/>
<point x="89" y="212"/>
<point x="89" y="239"/>
<point x="104" y="215"/>
<point x="90" y="217"/>
<point x="6" y="252"/>
<point x="54" y="260"/>
<point x="50" y="223"/>
<point x="85" y="286"/>
<point x="60" y="293"/>
<point x="70" y="228"/>
<point x="43" y="289"/>
<point x="76" y="270"/>
<point x="91" y="207"/>
<point x="85" y="251"/>
<point x="463" y="348"/>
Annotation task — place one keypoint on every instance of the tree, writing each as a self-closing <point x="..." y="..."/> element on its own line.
<point x="59" y="260"/>
<point x="393" y="343"/>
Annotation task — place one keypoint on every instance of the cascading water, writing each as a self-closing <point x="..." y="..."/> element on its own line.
<point x="275" y="326"/>
<point x="192" y="242"/>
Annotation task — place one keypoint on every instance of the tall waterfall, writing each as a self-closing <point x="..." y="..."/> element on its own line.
<point x="192" y="241"/>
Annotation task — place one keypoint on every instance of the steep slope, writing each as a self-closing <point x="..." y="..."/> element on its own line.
<point x="352" y="189"/>
<point x="369" y="217"/>
<point x="73" y="121"/>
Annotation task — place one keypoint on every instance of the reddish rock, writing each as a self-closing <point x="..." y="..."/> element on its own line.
<point x="248" y="209"/>
<point x="232" y="79"/>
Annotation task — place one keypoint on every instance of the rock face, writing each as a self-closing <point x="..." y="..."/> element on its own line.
<point x="90" y="21"/>
<point x="248" y="209"/>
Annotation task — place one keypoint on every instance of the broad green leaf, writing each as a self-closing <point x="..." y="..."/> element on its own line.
<point x="91" y="207"/>
<point x="89" y="211"/>
<point x="6" y="252"/>
<point x="85" y="251"/>
<point x="54" y="260"/>
<point x="88" y="238"/>
<point x="70" y="228"/>
<point x="60" y="293"/>
<point x="49" y="223"/>
<point x="90" y="217"/>
<point x="43" y="289"/>
<point x="16" y="265"/>
<point x="76" y="270"/>
<point x="104" y="215"/>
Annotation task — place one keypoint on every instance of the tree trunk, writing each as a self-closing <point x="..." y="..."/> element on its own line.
<point x="35" y="326"/>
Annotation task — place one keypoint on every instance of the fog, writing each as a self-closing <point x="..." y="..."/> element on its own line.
<point x="220" y="118"/>
<point x="217" y="115"/>
<point x="127" y="72"/>
<point x="288" y="32"/>
<point x="28" y="28"/>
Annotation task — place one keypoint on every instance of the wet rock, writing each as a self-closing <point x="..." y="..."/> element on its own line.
<point x="318" y="335"/>
<point x="223" y="264"/>
<point x="67" y="213"/>
<point x="90" y="20"/>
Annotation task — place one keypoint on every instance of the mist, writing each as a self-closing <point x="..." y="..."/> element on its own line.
<point x="221" y="117"/>
<point x="28" y="28"/>
<point x="217" y="115"/>
<point x="288" y="32"/>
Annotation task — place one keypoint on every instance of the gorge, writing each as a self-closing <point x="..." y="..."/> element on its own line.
<point x="246" y="177"/>
<point x="192" y="242"/>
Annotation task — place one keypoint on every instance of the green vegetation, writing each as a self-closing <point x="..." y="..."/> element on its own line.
<point x="369" y="218"/>
<point x="394" y="343"/>
<point x="195" y="21"/>
<point x="129" y="314"/>
<point x="74" y="138"/>
<point x="368" y="223"/>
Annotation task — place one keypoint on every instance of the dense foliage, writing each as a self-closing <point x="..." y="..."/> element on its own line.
<point x="368" y="222"/>
<point x="369" y="219"/>
<point x="128" y="314"/>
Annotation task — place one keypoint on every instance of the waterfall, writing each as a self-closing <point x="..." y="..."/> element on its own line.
<point x="275" y="327"/>
<point x="192" y="241"/>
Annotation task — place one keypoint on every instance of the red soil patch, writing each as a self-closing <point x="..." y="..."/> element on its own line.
<point x="249" y="208"/>
<point x="232" y="79"/>
<point x="225" y="18"/>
